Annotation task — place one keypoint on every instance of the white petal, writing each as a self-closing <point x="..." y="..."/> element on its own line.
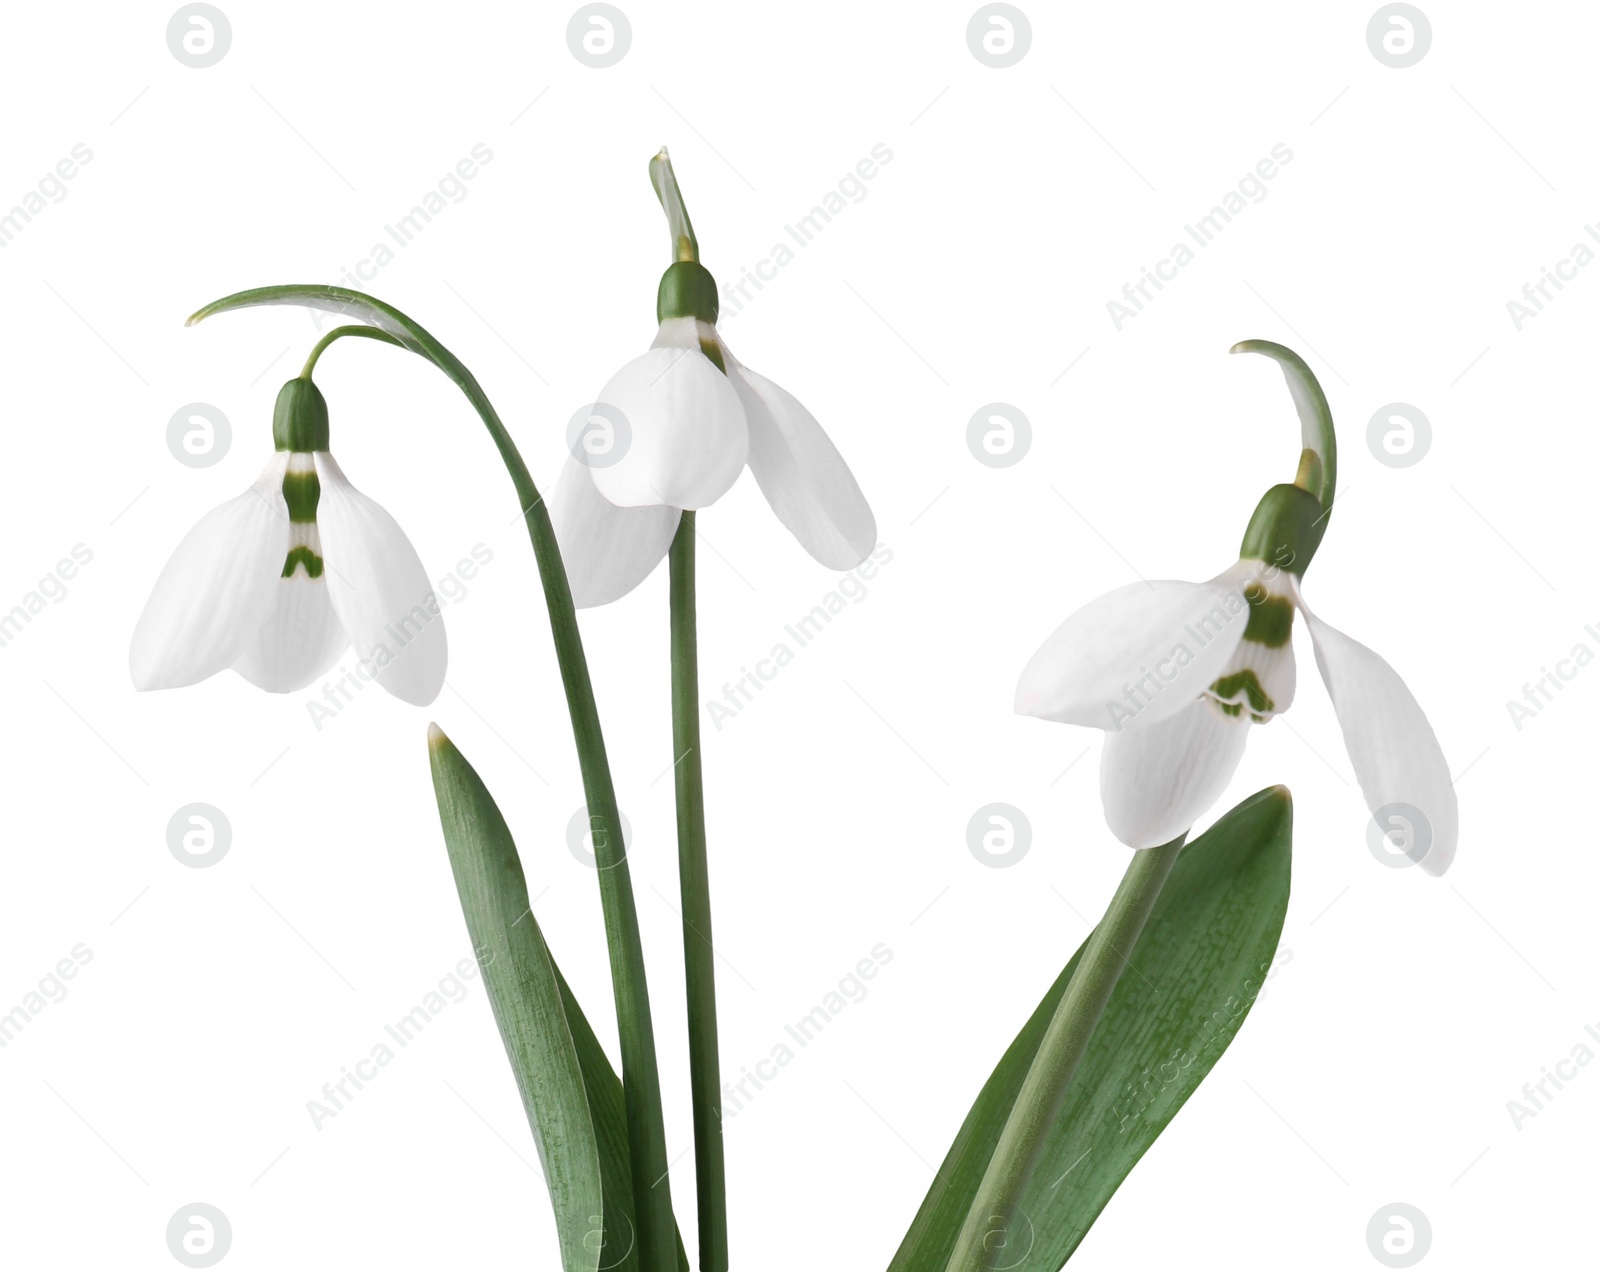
<point x="216" y="590"/>
<point x="1137" y="655"/>
<point x="802" y="474"/>
<point x="300" y="638"/>
<point x="1392" y="747"/>
<point x="684" y="333"/>
<point x="1156" y="782"/>
<point x="608" y="551"/>
<point x="379" y="589"/>
<point x="686" y="435"/>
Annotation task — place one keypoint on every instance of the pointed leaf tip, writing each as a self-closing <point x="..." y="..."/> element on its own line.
<point x="436" y="737"/>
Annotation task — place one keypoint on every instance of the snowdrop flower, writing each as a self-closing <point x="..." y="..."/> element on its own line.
<point x="674" y="428"/>
<point x="1179" y="675"/>
<point x="280" y="581"/>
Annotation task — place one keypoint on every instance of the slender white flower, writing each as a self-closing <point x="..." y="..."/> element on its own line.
<point x="280" y="581"/>
<point x="677" y="427"/>
<point x="1179" y="674"/>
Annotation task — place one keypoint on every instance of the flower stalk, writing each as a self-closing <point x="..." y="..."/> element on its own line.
<point x="656" y="1229"/>
<point x="1105" y="955"/>
<point x="686" y="281"/>
<point x="699" y="957"/>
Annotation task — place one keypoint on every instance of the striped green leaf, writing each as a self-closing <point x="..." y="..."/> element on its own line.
<point x="1192" y="978"/>
<point x="530" y="1002"/>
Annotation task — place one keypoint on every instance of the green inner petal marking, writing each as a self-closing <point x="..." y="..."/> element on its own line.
<point x="1243" y="681"/>
<point x="1271" y="620"/>
<point x="299" y="556"/>
<point x="302" y="491"/>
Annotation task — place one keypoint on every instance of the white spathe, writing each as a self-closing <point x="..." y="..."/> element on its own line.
<point x="691" y="430"/>
<point x="222" y="600"/>
<point x="1140" y="663"/>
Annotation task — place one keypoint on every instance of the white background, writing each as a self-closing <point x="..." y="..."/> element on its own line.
<point x="1378" y="1066"/>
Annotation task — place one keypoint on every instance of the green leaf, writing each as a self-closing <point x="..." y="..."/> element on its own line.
<point x="609" y="1114"/>
<point x="525" y="991"/>
<point x="572" y="1095"/>
<point x="1191" y="980"/>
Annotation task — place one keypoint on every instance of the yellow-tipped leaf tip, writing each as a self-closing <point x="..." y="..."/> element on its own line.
<point x="436" y="737"/>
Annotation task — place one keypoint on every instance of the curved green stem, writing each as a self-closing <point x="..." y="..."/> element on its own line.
<point x="371" y="333"/>
<point x="657" y="1235"/>
<point x="694" y="882"/>
<point x="1061" y="1051"/>
<point x="1316" y="420"/>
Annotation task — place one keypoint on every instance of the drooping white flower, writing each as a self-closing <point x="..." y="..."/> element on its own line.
<point x="682" y="422"/>
<point x="280" y="581"/>
<point x="1179" y="674"/>
<point x="691" y="428"/>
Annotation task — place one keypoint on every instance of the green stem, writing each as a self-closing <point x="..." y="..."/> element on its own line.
<point x="371" y="333"/>
<point x="1061" y="1051"/>
<point x="699" y="958"/>
<point x="647" y="1145"/>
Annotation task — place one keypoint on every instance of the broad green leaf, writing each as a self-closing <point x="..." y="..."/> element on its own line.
<point x="525" y="991"/>
<point x="511" y="948"/>
<point x="1190" y="983"/>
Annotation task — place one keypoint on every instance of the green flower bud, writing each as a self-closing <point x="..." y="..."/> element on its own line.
<point x="300" y="418"/>
<point x="687" y="291"/>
